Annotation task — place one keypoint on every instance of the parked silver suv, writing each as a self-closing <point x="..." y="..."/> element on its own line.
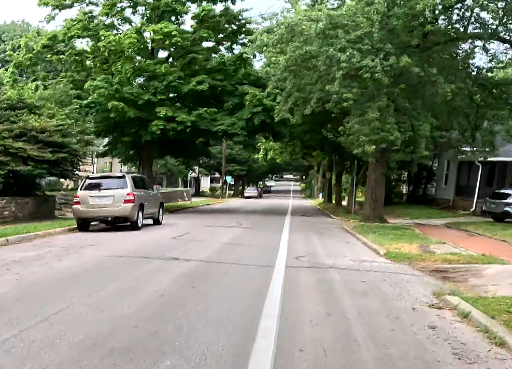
<point x="499" y="205"/>
<point x="114" y="198"/>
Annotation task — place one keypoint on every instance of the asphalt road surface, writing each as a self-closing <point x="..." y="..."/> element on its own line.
<point x="248" y="284"/>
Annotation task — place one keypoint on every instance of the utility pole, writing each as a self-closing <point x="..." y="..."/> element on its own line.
<point x="223" y="177"/>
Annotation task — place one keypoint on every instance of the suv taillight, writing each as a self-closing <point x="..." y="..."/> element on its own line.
<point x="129" y="198"/>
<point x="76" y="200"/>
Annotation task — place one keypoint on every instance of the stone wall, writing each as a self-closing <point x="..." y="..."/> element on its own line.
<point x="64" y="204"/>
<point x="176" y="195"/>
<point x="26" y="208"/>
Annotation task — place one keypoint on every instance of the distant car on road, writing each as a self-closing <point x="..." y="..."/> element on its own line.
<point x="499" y="205"/>
<point x="270" y="182"/>
<point x="114" y="198"/>
<point x="253" y="193"/>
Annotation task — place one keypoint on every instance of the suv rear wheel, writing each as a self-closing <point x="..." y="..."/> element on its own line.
<point x="139" y="220"/>
<point x="83" y="225"/>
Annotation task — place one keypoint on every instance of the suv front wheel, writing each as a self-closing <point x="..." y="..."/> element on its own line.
<point x="139" y="220"/>
<point x="159" y="216"/>
<point x="498" y="218"/>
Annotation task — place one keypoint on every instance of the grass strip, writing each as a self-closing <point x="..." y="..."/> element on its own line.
<point x="498" y="308"/>
<point x="411" y="211"/>
<point x="34" y="227"/>
<point x="443" y="259"/>
<point x="176" y="206"/>
<point x="499" y="231"/>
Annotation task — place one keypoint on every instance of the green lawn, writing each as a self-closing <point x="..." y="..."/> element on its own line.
<point x="337" y="211"/>
<point x="498" y="308"/>
<point x="26" y="228"/>
<point x="402" y="245"/>
<point x="410" y="211"/>
<point x="393" y="235"/>
<point x="170" y="208"/>
<point x="411" y="258"/>
<point x="500" y="231"/>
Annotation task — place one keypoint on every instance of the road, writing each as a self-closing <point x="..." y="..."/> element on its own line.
<point x="206" y="290"/>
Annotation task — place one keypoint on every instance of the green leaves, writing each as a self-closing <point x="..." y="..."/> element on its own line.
<point x="154" y="79"/>
<point x="34" y="143"/>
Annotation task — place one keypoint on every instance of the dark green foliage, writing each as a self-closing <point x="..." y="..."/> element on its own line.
<point x="159" y="87"/>
<point x="33" y="146"/>
<point x="10" y="40"/>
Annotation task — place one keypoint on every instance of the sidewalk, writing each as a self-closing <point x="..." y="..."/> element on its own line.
<point x="471" y="242"/>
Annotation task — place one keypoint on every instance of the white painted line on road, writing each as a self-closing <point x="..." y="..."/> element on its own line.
<point x="263" y="351"/>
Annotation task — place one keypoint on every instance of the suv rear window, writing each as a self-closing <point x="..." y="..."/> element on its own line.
<point x="105" y="183"/>
<point x="498" y="195"/>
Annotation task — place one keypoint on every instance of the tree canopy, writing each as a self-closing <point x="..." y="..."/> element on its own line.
<point x="166" y="77"/>
<point x="388" y="79"/>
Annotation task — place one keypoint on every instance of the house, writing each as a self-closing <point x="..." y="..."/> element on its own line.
<point x="205" y="180"/>
<point x="464" y="180"/>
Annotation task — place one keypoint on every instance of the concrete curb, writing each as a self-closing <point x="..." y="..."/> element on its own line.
<point x="480" y="319"/>
<point x="32" y="236"/>
<point x="377" y="249"/>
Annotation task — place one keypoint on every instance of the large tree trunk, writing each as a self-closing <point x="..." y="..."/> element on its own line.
<point x="244" y="184"/>
<point x="353" y="178"/>
<point x="146" y="158"/>
<point x="236" y="190"/>
<point x="320" y="180"/>
<point x="314" y="190"/>
<point x="197" y="185"/>
<point x="376" y="189"/>
<point x="328" y="178"/>
<point x="338" y="169"/>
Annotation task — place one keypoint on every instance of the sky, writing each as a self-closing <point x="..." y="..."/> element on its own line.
<point x="15" y="10"/>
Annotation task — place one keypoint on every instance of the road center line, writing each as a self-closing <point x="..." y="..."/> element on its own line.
<point x="264" y="349"/>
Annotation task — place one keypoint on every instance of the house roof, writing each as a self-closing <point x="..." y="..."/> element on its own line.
<point x="505" y="152"/>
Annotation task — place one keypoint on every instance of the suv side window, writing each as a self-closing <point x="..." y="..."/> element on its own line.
<point x="138" y="183"/>
<point x="148" y="184"/>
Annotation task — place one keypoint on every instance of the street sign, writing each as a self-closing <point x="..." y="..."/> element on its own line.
<point x="228" y="179"/>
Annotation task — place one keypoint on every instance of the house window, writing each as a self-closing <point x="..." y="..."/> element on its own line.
<point x="446" y="173"/>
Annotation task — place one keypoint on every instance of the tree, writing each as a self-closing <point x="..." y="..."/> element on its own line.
<point x="390" y="78"/>
<point x="10" y="39"/>
<point x="34" y="144"/>
<point x="166" y="77"/>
